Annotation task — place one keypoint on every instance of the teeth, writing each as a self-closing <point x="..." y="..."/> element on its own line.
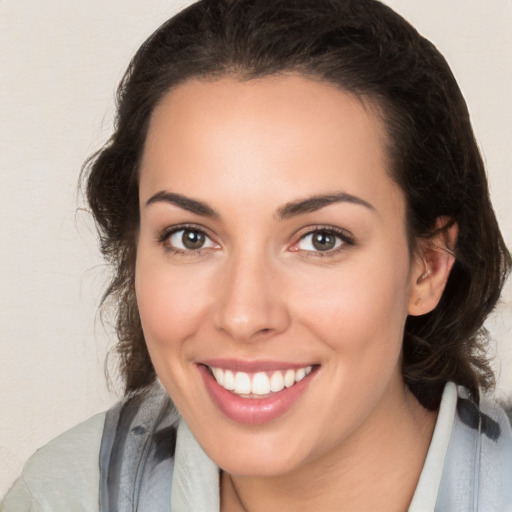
<point x="300" y="375"/>
<point x="289" y="378"/>
<point x="229" y="380"/>
<point x="276" y="382"/>
<point x="242" y="383"/>
<point x="259" y="384"/>
<point x="219" y="375"/>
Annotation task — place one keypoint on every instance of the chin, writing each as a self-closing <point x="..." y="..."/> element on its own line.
<point x="269" y="467"/>
<point x="257" y="454"/>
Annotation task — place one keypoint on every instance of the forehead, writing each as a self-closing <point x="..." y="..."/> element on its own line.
<point x="301" y="135"/>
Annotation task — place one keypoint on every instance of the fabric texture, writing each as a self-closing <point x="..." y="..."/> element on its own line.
<point x="141" y="455"/>
<point x="137" y="453"/>
<point x="477" y="474"/>
<point x="425" y="496"/>
<point x="63" y="476"/>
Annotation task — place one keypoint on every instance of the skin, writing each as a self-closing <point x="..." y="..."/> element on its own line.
<point x="356" y="439"/>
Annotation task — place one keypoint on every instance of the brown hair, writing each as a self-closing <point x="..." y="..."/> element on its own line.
<point x="363" y="47"/>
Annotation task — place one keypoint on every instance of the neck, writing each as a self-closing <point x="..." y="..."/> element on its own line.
<point x="378" y="468"/>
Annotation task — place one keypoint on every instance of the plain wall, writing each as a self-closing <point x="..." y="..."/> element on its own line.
<point x="61" y="62"/>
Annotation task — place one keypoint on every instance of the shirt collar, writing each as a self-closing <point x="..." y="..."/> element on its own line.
<point x="425" y="496"/>
<point x="196" y="481"/>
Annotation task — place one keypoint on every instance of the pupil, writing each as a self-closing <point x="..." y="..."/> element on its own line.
<point x="193" y="239"/>
<point x="323" y="241"/>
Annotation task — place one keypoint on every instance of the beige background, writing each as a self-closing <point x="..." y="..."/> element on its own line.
<point x="60" y="63"/>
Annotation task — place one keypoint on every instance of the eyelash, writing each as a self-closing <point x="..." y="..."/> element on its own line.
<point x="164" y="239"/>
<point x="345" y="238"/>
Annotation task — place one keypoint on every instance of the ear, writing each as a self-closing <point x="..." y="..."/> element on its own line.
<point x="432" y="266"/>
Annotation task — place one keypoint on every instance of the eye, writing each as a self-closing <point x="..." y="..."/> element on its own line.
<point x="188" y="239"/>
<point x="322" y="240"/>
<point x="319" y="241"/>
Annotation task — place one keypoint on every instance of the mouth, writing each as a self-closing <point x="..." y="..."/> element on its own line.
<point x="260" y="384"/>
<point x="254" y="394"/>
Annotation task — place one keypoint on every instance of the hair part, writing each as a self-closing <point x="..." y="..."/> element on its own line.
<point x="362" y="47"/>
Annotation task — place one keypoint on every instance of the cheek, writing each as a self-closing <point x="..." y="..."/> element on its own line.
<point x="362" y="308"/>
<point x="171" y="303"/>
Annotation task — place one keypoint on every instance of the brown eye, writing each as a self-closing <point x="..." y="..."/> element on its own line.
<point x="321" y="240"/>
<point x="189" y="239"/>
<point x="192" y="239"/>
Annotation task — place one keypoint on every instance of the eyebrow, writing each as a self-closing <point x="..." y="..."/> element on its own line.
<point x="185" y="203"/>
<point x="301" y="206"/>
<point x="317" y="202"/>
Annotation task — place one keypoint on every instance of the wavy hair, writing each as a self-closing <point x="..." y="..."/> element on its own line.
<point x="362" y="47"/>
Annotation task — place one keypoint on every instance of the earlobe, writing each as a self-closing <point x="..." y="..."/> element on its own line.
<point x="432" y="267"/>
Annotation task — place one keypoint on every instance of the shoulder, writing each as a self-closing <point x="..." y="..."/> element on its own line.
<point x="496" y="443"/>
<point x="494" y="457"/>
<point x="137" y="452"/>
<point x="478" y="466"/>
<point x="63" y="475"/>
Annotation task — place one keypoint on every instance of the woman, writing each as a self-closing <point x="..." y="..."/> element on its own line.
<point x="305" y="253"/>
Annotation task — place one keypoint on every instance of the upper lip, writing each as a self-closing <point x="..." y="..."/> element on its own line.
<point x="248" y="366"/>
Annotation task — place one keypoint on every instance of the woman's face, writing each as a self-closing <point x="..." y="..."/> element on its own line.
<point x="272" y="258"/>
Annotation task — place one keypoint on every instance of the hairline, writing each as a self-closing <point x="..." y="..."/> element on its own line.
<point x="376" y="107"/>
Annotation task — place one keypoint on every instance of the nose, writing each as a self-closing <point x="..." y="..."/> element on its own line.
<point x="251" y="306"/>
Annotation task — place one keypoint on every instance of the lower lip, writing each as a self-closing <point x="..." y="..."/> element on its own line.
<point x="253" y="411"/>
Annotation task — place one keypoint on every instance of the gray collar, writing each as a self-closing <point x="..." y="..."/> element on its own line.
<point x="195" y="484"/>
<point x="151" y="462"/>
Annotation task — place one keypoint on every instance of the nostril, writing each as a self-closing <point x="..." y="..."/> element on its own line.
<point x="265" y="331"/>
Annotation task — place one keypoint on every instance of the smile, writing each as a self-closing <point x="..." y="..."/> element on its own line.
<point x="254" y="393"/>
<point x="259" y="384"/>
